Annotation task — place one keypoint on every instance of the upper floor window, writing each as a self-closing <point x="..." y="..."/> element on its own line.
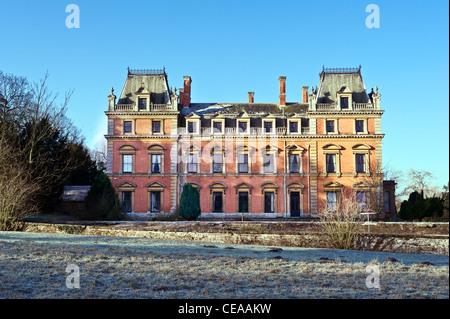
<point x="360" y="160"/>
<point x="127" y="126"/>
<point x="217" y="162"/>
<point x="192" y="163"/>
<point x="142" y="103"/>
<point x="330" y="126"/>
<point x="156" y="127"/>
<point x="127" y="163"/>
<point x="217" y="127"/>
<point x="294" y="163"/>
<point x="331" y="163"/>
<point x="242" y="126"/>
<point x="268" y="163"/>
<point x="156" y="163"/>
<point x="359" y="126"/>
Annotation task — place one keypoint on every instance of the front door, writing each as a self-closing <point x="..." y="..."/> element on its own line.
<point x="126" y="202"/>
<point x="295" y="204"/>
<point x="217" y="202"/>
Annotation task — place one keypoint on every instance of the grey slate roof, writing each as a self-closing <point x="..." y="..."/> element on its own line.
<point x="156" y="84"/>
<point x="239" y="108"/>
<point x="332" y="82"/>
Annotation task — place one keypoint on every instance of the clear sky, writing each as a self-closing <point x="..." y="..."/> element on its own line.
<point x="232" y="47"/>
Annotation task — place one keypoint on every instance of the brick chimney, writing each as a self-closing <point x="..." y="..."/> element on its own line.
<point x="185" y="94"/>
<point x="250" y="97"/>
<point x="304" y="94"/>
<point x="282" y="80"/>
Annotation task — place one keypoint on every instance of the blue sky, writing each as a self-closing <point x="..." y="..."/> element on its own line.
<point x="232" y="47"/>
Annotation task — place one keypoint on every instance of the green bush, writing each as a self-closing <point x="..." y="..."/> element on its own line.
<point x="102" y="201"/>
<point x="419" y="208"/>
<point x="189" y="202"/>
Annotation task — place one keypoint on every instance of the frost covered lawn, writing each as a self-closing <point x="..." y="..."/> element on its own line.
<point x="33" y="266"/>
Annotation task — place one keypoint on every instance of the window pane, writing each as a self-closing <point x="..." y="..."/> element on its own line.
<point x="192" y="163"/>
<point x="243" y="163"/>
<point x="294" y="164"/>
<point x="127" y="126"/>
<point x="242" y="127"/>
<point x="268" y="163"/>
<point x="217" y="163"/>
<point x="156" y="163"/>
<point x="269" y="202"/>
<point x="360" y="163"/>
<point x="217" y="202"/>
<point x="361" y="199"/>
<point x="155" y="201"/>
<point x="330" y="126"/>
<point x="331" y="201"/>
<point x="344" y="102"/>
<point x="268" y="127"/>
<point x="217" y="126"/>
<point x="126" y="201"/>
<point x="191" y="127"/>
<point x="156" y="126"/>
<point x="331" y="163"/>
<point x="127" y="163"/>
<point x="293" y="127"/>
<point x="142" y="103"/>
<point x="359" y="126"/>
<point x="243" y="202"/>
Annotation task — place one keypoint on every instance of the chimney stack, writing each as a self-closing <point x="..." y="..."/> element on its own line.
<point x="282" y="80"/>
<point x="250" y="97"/>
<point x="304" y="94"/>
<point x="185" y="94"/>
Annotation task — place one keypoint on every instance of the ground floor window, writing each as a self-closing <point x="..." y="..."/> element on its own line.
<point x="217" y="202"/>
<point x="155" y="201"/>
<point x="243" y="202"/>
<point x="126" y="202"/>
<point x="331" y="201"/>
<point x="269" y="202"/>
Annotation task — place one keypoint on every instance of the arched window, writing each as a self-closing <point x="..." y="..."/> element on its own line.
<point x="217" y="197"/>
<point x="127" y="159"/>
<point x="331" y="159"/>
<point x="269" y="192"/>
<point x="243" y="198"/>
<point x="156" y="159"/>
<point x="361" y="162"/>
<point x="155" y="202"/>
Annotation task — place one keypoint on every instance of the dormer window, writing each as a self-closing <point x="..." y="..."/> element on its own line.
<point x="191" y="127"/>
<point x="344" y="102"/>
<point x="218" y="126"/>
<point x="142" y="103"/>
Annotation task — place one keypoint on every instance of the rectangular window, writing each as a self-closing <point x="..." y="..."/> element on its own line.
<point x="217" y="163"/>
<point x="243" y="163"/>
<point x="127" y="163"/>
<point x="217" y="202"/>
<point x="360" y="163"/>
<point x="242" y="127"/>
<point x="361" y="200"/>
<point x="268" y="127"/>
<point x="243" y="202"/>
<point x="293" y="127"/>
<point x="331" y="201"/>
<point x="387" y="204"/>
<point x="126" y="202"/>
<point x="268" y="163"/>
<point x="127" y="126"/>
<point x="156" y="126"/>
<point x="142" y="103"/>
<point x="359" y="126"/>
<point x="191" y="127"/>
<point x="156" y="163"/>
<point x="192" y="163"/>
<point x="330" y="126"/>
<point x="344" y="102"/>
<point x="269" y="202"/>
<point x="331" y="163"/>
<point x="294" y="163"/>
<point x="155" y="201"/>
<point x="217" y="127"/>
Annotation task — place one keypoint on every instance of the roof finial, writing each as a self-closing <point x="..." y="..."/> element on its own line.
<point x="112" y="90"/>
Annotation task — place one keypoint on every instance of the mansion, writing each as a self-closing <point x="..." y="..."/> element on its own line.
<point x="285" y="159"/>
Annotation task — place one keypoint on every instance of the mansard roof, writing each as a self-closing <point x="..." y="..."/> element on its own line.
<point x="333" y="80"/>
<point x="236" y="109"/>
<point x="153" y="81"/>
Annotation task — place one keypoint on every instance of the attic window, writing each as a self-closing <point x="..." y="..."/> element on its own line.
<point x="142" y="103"/>
<point x="344" y="102"/>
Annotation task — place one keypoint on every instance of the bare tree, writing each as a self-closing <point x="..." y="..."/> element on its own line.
<point x="419" y="181"/>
